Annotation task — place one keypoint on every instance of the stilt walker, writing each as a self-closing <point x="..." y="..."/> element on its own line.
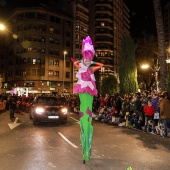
<point x="86" y="88"/>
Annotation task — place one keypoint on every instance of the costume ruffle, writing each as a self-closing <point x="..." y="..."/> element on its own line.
<point x="86" y="81"/>
<point x="78" y="89"/>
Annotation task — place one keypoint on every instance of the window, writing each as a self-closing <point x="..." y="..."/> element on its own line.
<point x="51" y="40"/>
<point x="34" y="61"/>
<point x="67" y="64"/>
<point x="51" y="62"/>
<point x="57" y="41"/>
<point x="58" y="20"/>
<point x="29" y="15"/>
<point x="57" y="31"/>
<point x="42" y="72"/>
<point x="48" y="83"/>
<point x="39" y="60"/>
<point x="68" y="34"/>
<point x="41" y="16"/>
<point x="67" y="43"/>
<point x="17" y="61"/>
<point x="33" y="72"/>
<point x="56" y="73"/>
<point x="24" y="61"/>
<point x="31" y="84"/>
<point x="56" y="62"/>
<point x="57" y="53"/>
<point x="67" y="74"/>
<point x="17" y="73"/>
<point x="51" y="29"/>
<point x="28" y="72"/>
<point x="51" y="73"/>
<point x="51" y="52"/>
<point x="38" y="72"/>
<point x="68" y="23"/>
<point x="52" y="18"/>
<point x="28" y="60"/>
<point x="19" y="51"/>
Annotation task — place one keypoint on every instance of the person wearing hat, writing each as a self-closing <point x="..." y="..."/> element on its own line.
<point x="86" y="88"/>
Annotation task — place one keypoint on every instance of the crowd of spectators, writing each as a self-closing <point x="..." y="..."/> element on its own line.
<point x="148" y="111"/>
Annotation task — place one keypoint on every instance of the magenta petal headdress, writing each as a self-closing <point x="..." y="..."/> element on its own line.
<point x="87" y="49"/>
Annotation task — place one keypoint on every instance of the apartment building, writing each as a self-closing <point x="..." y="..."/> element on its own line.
<point x="36" y="60"/>
<point x="109" y="23"/>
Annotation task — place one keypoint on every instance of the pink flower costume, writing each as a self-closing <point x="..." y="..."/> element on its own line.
<point x="86" y="88"/>
<point x="86" y="81"/>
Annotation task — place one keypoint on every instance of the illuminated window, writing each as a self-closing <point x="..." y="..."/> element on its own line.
<point x="56" y="73"/>
<point x="51" y="62"/>
<point x="56" y="62"/>
<point x="51" y="73"/>
<point x="102" y="24"/>
<point x="51" y="29"/>
<point x="34" y="61"/>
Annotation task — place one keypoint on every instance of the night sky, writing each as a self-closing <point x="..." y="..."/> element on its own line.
<point x="142" y="17"/>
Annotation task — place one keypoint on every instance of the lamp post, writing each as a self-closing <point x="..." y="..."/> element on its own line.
<point x="2" y="27"/>
<point x="155" y="70"/>
<point x="65" y="52"/>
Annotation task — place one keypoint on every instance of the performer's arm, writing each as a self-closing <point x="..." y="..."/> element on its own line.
<point x="76" y="63"/>
<point x="97" y="66"/>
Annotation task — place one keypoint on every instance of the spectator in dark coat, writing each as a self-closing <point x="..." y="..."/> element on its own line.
<point x="12" y="107"/>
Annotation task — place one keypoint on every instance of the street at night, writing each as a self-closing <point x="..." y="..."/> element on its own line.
<point x="50" y="146"/>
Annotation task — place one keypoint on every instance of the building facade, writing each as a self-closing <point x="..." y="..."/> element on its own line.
<point x="81" y="29"/>
<point x="110" y="22"/>
<point x="36" y="60"/>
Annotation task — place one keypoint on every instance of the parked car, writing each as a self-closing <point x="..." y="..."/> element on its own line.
<point x="48" y="109"/>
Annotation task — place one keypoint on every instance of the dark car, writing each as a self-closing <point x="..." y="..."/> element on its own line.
<point x="48" y="109"/>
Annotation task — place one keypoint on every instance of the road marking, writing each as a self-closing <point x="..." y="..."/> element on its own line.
<point x="74" y="119"/>
<point x="77" y="121"/>
<point x="14" y="124"/>
<point x="67" y="140"/>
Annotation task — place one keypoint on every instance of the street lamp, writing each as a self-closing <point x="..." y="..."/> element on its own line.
<point x="2" y="27"/>
<point x="65" y="52"/>
<point x="155" y="70"/>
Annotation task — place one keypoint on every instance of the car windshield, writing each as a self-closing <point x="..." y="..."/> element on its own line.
<point x="49" y="101"/>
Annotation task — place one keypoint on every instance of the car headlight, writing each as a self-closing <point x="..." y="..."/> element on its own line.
<point x="64" y="110"/>
<point x="39" y="110"/>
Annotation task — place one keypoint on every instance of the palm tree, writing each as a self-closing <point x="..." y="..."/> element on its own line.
<point x="161" y="43"/>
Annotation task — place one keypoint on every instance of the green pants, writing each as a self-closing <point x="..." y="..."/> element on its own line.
<point x="86" y="126"/>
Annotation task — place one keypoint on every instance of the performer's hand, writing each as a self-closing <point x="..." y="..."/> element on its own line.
<point x="73" y="59"/>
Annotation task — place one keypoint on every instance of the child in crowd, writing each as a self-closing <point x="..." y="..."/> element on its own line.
<point x="121" y="118"/>
<point x="110" y="113"/>
<point x="159" y="128"/>
<point x="149" y="111"/>
<point x="151" y="126"/>
<point x="135" y="118"/>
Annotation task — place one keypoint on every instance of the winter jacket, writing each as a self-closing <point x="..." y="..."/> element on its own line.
<point x="155" y="102"/>
<point x="149" y="110"/>
<point x="165" y="109"/>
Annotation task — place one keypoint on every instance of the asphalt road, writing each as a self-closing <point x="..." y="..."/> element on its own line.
<point x="24" y="146"/>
